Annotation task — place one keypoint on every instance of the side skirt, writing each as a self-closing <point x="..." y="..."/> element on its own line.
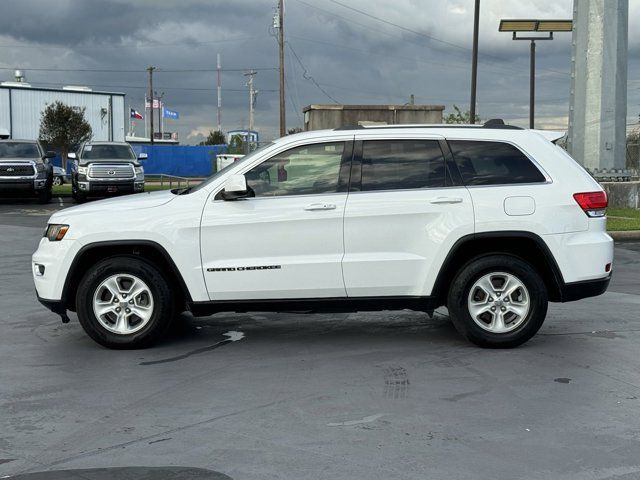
<point x="315" y="305"/>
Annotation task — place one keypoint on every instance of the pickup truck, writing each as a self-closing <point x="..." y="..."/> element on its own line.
<point x="25" y="170"/>
<point x="103" y="169"/>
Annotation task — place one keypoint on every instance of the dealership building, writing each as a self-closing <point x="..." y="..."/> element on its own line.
<point x="21" y="107"/>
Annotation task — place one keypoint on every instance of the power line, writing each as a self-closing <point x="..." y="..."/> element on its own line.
<point x="430" y="37"/>
<point x="159" y="69"/>
<point x="306" y="76"/>
<point x="132" y="45"/>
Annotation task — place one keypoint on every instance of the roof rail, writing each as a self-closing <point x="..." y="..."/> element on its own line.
<point x="498" y="123"/>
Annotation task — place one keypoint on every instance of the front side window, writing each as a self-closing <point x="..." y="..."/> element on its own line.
<point x="107" y="152"/>
<point x="402" y="165"/>
<point x="19" y="150"/>
<point x="307" y="170"/>
<point x="493" y="163"/>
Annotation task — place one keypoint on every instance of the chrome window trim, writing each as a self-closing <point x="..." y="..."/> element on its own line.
<point x="540" y="168"/>
<point x="243" y="169"/>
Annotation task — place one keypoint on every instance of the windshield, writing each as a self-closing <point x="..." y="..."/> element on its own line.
<point x="19" y="150"/>
<point x="220" y="172"/>
<point x="107" y="152"/>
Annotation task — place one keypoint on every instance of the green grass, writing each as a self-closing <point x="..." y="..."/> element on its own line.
<point x="65" y="189"/>
<point x="623" y="219"/>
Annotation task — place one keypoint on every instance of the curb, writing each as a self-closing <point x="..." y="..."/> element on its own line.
<point x="625" y="236"/>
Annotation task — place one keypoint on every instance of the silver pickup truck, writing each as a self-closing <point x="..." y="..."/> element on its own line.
<point x="103" y="169"/>
<point x="25" y="170"/>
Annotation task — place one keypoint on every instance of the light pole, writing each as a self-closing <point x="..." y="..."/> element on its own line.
<point x="546" y="26"/>
<point x="474" y="63"/>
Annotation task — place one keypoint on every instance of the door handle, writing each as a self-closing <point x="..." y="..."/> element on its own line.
<point x="320" y="206"/>
<point x="441" y="200"/>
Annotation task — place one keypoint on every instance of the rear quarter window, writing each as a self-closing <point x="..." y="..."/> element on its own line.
<point x="493" y="163"/>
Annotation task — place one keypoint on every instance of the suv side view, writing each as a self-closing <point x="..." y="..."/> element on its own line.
<point x="102" y="169"/>
<point x="491" y="221"/>
<point x="25" y="170"/>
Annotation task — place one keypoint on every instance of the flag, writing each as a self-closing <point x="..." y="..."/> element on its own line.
<point x="166" y="113"/>
<point x="136" y="114"/>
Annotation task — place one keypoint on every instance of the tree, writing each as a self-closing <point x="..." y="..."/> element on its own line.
<point x="64" y="127"/>
<point x="458" y="116"/>
<point x="214" y="138"/>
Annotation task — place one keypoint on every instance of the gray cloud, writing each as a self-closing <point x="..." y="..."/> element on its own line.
<point x="355" y="58"/>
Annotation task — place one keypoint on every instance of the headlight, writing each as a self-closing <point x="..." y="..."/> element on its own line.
<point x="139" y="170"/>
<point x="82" y="170"/>
<point x="40" y="167"/>
<point x="56" y="232"/>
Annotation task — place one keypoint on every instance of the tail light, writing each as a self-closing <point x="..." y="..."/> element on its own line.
<point x="594" y="204"/>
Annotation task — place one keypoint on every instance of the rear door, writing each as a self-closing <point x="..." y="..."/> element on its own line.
<point x="405" y="210"/>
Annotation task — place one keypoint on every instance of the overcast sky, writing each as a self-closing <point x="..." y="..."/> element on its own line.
<point x="353" y="57"/>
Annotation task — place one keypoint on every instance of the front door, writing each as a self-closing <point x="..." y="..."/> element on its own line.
<point x="287" y="241"/>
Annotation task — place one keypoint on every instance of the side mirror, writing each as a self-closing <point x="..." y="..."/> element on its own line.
<point x="72" y="156"/>
<point x="142" y="156"/>
<point x="235" y="188"/>
<point x="50" y="154"/>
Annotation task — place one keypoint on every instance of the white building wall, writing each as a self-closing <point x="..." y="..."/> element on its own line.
<point x="4" y="108"/>
<point x="27" y="105"/>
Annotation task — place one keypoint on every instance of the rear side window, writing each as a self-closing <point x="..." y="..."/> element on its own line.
<point x="493" y="163"/>
<point x="402" y="164"/>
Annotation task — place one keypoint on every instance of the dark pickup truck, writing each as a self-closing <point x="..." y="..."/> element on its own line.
<point x="25" y="170"/>
<point x="103" y="169"/>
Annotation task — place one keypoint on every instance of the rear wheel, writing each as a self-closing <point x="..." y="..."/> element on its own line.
<point x="124" y="302"/>
<point x="498" y="301"/>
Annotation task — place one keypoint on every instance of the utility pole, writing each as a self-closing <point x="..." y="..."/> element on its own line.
<point x="280" y="27"/>
<point x="159" y="97"/>
<point x="150" y="70"/>
<point x="252" y="101"/>
<point x="474" y="63"/>
<point x="219" y="89"/>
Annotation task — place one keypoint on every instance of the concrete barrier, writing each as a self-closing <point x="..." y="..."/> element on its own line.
<point x="623" y="194"/>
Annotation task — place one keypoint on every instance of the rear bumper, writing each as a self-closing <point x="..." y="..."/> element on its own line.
<point x="571" y="292"/>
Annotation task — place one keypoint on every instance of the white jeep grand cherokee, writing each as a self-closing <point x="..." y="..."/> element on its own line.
<point x="491" y="221"/>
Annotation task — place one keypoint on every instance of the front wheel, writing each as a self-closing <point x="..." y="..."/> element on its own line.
<point x="124" y="302"/>
<point x="498" y="301"/>
<point x="57" y="180"/>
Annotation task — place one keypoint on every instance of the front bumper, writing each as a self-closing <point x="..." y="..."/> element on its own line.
<point x="19" y="185"/>
<point x="93" y="187"/>
<point x="50" y="265"/>
<point x="56" y="306"/>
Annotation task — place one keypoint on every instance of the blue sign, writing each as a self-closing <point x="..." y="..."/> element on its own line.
<point x="166" y="113"/>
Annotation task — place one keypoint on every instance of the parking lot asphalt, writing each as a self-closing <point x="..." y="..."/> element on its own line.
<point x="345" y="396"/>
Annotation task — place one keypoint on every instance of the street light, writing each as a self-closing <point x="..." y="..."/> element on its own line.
<point x="547" y="26"/>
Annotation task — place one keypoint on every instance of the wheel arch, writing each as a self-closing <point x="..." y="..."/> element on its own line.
<point x="524" y="245"/>
<point x="147" y="250"/>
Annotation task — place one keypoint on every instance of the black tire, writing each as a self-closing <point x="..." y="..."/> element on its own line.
<point x="57" y="180"/>
<point x="459" y="296"/>
<point x="163" y="303"/>
<point x="44" y="196"/>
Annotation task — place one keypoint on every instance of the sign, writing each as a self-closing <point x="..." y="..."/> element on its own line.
<point x="156" y="103"/>
<point x="166" y="113"/>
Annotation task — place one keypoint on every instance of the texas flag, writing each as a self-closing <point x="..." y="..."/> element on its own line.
<point x="136" y="114"/>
